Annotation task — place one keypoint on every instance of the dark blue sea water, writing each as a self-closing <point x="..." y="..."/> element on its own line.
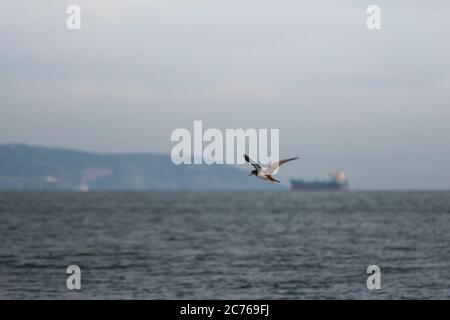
<point x="225" y="245"/>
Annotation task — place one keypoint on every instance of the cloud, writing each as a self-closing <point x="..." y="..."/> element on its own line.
<point x="111" y="10"/>
<point x="241" y="90"/>
<point x="131" y="92"/>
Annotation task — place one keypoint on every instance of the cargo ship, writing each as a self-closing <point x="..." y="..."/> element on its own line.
<point x="337" y="182"/>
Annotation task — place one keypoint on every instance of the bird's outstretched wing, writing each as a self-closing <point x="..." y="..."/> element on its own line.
<point x="253" y="163"/>
<point x="277" y="164"/>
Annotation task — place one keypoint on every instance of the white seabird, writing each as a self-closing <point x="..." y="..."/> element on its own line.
<point x="266" y="173"/>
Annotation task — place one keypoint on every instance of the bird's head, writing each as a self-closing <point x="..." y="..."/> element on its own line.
<point x="254" y="172"/>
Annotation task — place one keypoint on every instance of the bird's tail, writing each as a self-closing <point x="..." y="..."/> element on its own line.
<point x="272" y="179"/>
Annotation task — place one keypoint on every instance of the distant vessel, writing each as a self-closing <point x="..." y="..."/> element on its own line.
<point x="338" y="182"/>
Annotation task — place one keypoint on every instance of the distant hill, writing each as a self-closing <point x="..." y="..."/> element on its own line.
<point x="34" y="168"/>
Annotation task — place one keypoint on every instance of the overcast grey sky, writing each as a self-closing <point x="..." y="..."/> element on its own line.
<point x="373" y="103"/>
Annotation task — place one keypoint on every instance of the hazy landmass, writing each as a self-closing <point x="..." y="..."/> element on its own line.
<point x="35" y="168"/>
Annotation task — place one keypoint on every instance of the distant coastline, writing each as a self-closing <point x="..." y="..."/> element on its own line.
<point x="24" y="167"/>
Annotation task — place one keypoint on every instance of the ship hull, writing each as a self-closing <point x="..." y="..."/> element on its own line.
<point x="300" y="185"/>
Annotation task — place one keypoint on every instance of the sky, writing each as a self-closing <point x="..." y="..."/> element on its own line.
<point x="375" y="104"/>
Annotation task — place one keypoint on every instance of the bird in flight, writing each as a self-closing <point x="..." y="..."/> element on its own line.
<point x="266" y="173"/>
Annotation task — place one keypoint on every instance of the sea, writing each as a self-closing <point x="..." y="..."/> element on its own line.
<point x="225" y="245"/>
